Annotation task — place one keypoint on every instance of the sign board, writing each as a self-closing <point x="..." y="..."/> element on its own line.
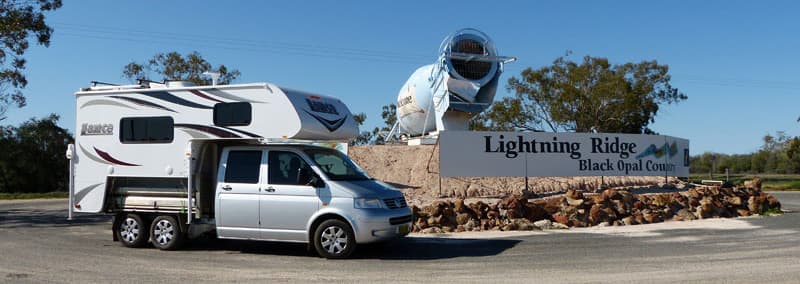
<point x="518" y="154"/>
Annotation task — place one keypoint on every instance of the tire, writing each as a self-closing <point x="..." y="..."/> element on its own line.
<point x="166" y="234"/>
<point x="131" y="230"/>
<point x="334" y="239"/>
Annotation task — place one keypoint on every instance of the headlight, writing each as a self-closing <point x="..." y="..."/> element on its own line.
<point x="366" y="203"/>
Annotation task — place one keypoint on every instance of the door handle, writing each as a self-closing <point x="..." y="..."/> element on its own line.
<point x="227" y="188"/>
<point x="270" y="189"/>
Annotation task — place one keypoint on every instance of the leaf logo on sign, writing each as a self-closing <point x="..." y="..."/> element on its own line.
<point x="659" y="152"/>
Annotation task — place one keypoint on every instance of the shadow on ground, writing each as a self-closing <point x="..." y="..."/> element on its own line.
<point x="402" y="249"/>
<point x="16" y="218"/>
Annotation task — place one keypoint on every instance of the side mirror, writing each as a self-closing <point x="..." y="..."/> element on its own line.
<point x="315" y="181"/>
<point x="307" y="176"/>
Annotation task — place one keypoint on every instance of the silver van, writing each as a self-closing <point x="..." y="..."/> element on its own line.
<point x="290" y="193"/>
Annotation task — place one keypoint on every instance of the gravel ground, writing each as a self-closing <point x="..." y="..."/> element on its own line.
<point x="39" y="245"/>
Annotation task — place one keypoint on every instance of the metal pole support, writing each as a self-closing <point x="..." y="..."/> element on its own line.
<point x="70" y="156"/>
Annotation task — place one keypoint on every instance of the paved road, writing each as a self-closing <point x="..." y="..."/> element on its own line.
<point x="38" y="245"/>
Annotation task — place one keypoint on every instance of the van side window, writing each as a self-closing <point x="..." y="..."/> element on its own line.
<point x="233" y="114"/>
<point x="288" y="168"/>
<point x="160" y="129"/>
<point x="243" y="166"/>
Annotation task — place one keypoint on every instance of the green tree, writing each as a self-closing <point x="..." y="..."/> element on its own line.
<point x="33" y="159"/>
<point x="378" y="134"/>
<point x="508" y="114"/>
<point x="175" y="67"/>
<point x="592" y="95"/>
<point x="389" y="116"/>
<point x="364" y="137"/>
<point x="793" y="155"/>
<point x="19" y="21"/>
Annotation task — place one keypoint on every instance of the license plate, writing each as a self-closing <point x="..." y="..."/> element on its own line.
<point x="403" y="229"/>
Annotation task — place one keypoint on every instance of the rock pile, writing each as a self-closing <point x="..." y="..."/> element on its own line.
<point x="612" y="207"/>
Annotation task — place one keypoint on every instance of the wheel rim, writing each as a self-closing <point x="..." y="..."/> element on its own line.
<point x="163" y="232"/>
<point x="129" y="230"/>
<point x="334" y="240"/>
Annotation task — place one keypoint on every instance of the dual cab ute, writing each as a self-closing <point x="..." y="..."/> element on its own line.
<point x="175" y="162"/>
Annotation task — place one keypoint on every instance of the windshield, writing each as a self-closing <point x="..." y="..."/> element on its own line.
<point x="336" y="165"/>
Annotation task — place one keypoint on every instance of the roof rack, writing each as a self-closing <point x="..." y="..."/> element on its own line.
<point x="102" y="86"/>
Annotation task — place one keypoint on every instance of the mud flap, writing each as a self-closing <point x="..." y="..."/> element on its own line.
<point x="114" y="226"/>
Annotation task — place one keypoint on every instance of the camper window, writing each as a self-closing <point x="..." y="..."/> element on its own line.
<point x="146" y="129"/>
<point x="233" y="114"/>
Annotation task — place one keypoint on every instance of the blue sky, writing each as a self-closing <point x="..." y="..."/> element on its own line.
<point x="736" y="60"/>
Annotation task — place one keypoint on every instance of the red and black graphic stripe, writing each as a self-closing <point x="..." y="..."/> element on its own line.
<point x="111" y="159"/>
<point x="200" y="94"/>
<point x="229" y="96"/>
<point x="143" y="103"/>
<point x="242" y="132"/>
<point x="222" y="133"/>
<point x="165" y="96"/>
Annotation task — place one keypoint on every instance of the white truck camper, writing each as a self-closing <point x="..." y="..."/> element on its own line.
<point x="173" y="161"/>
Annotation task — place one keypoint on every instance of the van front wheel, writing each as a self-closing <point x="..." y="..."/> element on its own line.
<point x="334" y="239"/>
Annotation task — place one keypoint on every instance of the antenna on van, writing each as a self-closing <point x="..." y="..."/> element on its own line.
<point x="214" y="76"/>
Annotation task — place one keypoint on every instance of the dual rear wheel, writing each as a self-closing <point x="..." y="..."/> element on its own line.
<point x="164" y="232"/>
<point x="332" y="238"/>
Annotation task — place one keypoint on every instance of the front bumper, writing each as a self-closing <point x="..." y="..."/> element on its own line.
<point x="375" y="225"/>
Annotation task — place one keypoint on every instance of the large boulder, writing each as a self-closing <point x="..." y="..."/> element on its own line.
<point x="560" y="218"/>
<point x="543" y="224"/>
<point x="706" y="208"/>
<point x="435" y="209"/>
<point x="743" y="212"/>
<point x="685" y="215"/>
<point x="662" y="200"/>
<point x="574" y="202"/>
<point x="514" y="201"/>
<point x="551" y="205"/>
<point x="472" y="225"/>
<point x="756" y="204"/>
<point x="628" y="221"/>
<point x="463" y="218"/>
<point x="772" y="202"/>
<point x="754" y="183"/>
<point x="535" y="212"/>
<point x="597" y="215"/>
<point x="480" y="209"/>
<point x="459" y="206"/>
<point x="574" y="194"/>
<point x="653" y="217"/>
<point x="612" y="194"/>
<point x="693" y="193"/>
<point x="733" y="200"/>
<point x="515" y="213"/>
<point x="432" y="230"/>
<point x="523" y="224"/>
